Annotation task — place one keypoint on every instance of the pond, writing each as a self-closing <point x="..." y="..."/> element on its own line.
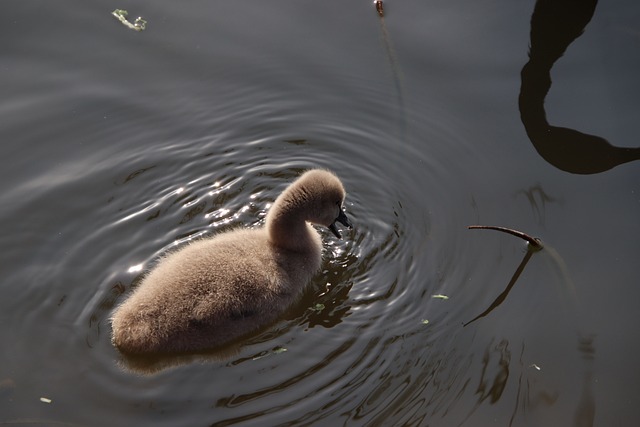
<point x="119" y="146"/>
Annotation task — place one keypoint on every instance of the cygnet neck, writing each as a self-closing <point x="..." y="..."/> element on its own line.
<point x="288" y="228"/>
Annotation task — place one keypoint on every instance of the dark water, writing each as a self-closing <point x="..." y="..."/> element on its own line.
<point x="118" y="145"/>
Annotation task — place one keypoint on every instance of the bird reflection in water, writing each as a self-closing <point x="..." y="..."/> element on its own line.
<point x="555" y="25"/>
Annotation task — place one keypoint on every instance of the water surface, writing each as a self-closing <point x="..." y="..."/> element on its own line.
<point x="118" y="146"/>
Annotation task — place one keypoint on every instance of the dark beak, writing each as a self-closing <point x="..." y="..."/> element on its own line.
<point x="342" y="219"/>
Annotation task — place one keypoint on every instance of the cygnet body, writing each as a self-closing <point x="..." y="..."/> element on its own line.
<point x="216" y="290"/>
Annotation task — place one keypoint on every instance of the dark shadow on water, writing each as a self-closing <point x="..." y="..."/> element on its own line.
<point x="555" y="24"/>
<point x="538" y="199"/>
<point x="494" y="375"/>
<point x="229" y="354"/>
<point x="500" y="299"/>
<point x="586" y="409"/>
<point x="153" y="364"/>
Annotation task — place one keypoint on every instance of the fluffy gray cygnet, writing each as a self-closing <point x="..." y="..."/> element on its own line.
<point x="218" y="289"/>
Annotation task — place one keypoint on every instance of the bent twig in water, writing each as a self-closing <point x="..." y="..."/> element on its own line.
<point x="535" y="243"/>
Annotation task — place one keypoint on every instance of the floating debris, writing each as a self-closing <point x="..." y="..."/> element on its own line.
<point x="440" y="296"/>
<point x="261" y="355"/>
<point x="379" y="7"/>
<point x="279" y="350"/>
<point x="533" y="365"/>
<point x="318" y="307"/>
<point x="45" y="400"/>
<point x="424" y="321"/>
<point x="121" y="15"/>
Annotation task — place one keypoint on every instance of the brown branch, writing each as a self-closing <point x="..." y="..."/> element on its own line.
<point x="379" y="7"/>
<point x="535" y="243"/>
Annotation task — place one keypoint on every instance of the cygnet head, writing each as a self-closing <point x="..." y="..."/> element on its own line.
<point x="322" y="194"/>
<point x="316" y="197"/>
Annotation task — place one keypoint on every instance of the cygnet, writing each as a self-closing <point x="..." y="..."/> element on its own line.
<point x="216" y="290"/>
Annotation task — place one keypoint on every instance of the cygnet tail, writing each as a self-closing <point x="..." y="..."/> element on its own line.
<point x="134" y="336"/>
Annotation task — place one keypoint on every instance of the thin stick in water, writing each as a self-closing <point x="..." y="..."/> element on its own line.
<point x="535" y="243"/>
